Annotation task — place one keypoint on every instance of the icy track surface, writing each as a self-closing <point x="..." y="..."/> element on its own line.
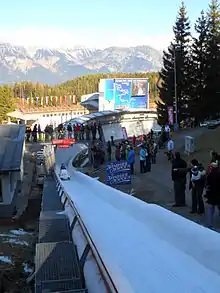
<point x="145" y="248"/>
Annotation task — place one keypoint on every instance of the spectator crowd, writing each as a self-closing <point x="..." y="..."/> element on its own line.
<point x="203" y="182"/>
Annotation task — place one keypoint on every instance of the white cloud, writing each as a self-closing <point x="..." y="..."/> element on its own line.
<point x="56" y="38"/>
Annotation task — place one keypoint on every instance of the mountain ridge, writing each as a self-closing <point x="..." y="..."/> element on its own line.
<point x="53" y="66"/>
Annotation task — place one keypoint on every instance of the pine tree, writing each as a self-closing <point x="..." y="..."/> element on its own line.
<point x="212" y="62"/>
<point x="166" y="88"/>
<point x="183" y="62"/>
<point x="197" y="102"/>
<point x="177" y="57"/>
<point x="6" y="102"/>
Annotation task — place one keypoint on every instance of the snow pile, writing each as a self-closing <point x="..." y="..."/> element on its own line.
<point x="16" y="237"/>
<point x="5" y="259"/>
<point x="20" y="232"/>
<point x="16" y="242"/>
<point x="27" y="269"/>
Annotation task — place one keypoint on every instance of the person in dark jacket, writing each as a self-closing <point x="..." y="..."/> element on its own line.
<point x="28" y="133"/>
<point x="117" y="153"/>
<point x="148" y="158"/>
<point x="34" y="133"/>
<point x="179" y="171"/>
<point x="123" y="151"/>
<point x="69" y="129"/>
<point x="82" y="131"/>
<point x="109" y="151"/>
<point x="100" y="131"/>
<point x="197" y="183"/>
<point x="212" y="191"/>
<point x="94" y="130"/>
<point x="87" y="128"/>
<point x="134" y="141"/>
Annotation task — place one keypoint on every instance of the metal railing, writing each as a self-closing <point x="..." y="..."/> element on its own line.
<point x="90" y="247"/>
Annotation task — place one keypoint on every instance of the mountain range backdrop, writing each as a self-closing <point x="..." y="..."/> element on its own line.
<point x="54" y="66"/>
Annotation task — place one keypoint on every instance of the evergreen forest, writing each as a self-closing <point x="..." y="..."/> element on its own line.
<point x="189" y="79"/>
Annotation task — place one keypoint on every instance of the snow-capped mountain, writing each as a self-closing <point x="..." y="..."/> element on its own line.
<point x="53" y="66"/>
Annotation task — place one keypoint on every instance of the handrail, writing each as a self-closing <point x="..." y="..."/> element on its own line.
<point x="97" y="257"/>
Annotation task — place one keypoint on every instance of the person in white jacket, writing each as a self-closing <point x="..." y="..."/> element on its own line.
<point x="170" y="148"/>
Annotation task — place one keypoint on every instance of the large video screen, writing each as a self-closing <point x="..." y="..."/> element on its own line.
<point x="131" y="94"/>
<point x="139" y="88"/>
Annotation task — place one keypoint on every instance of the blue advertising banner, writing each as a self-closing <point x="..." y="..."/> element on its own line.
<point x="109" y="89"/>
<point x="138" y="102"/>
<point x="118" y="173"/>
<point x="122" y="93"/>
<point x="131" y="94"/>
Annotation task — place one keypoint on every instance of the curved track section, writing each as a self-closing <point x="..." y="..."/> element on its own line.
<point x="142" y="247"/>
<point x="65" y="155"/>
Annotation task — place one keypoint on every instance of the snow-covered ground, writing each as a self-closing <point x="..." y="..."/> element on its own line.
<point x="14" y="243"/>
<point x="144" y="247"/>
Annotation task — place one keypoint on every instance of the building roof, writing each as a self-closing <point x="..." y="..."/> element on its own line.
<point x="90" y="101"/>
<point x="33" y="113"/>
<point x="11" y="147"/>
<point x="49" y="109"/>
<point x="88" y="117"/>
<point x="92" y="96"/>
<point x="91" y="105"/>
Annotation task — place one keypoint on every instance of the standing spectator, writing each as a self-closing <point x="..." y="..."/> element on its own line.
<point x="153" y="152"/>
<point x="109" y="151"/>
<point x="142" y="160"/>
<point x="60" y="129"/>
<point x="123" y="151"/>
<point x="39" y="133"/>
<point x="212" y="191"/>
<point x="94" y="156"/>
<point x="163" y="138"/>
<point x="34" y="133"/>
<point x="87" y="132"/>
<point x="148" y="158"/>
<point x="170" y="149"/>
<point x="28" y="133"/>
<point x="69" y="129"/>
<point x="179" y="171"/>
<point x="82" y="130"/>
<point x="94" y="130"/>
<point x="127" y="151"/>
<point x="100" y="131"/>
<point x="78" y="131"/>
<point x="131" y="159"/>
<point x="46" y="131"/>
<point x="75" y="131"/>
<point x="167" y="131"/>
<point x="197" y="182"/>
<point x="117" y="153"/>
<point x="134" y="141"/>
<point x="50" y="132"/>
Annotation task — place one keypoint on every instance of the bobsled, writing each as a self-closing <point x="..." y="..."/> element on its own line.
<point x="64" y="175"/>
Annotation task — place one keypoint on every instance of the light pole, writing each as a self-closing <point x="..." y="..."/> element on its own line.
<point x="176" y="125"/>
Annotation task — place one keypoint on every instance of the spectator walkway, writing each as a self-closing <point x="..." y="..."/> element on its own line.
<point x="57" y="264"/>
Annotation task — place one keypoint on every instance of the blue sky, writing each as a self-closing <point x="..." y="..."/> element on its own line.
<point x="96" y="23"/>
